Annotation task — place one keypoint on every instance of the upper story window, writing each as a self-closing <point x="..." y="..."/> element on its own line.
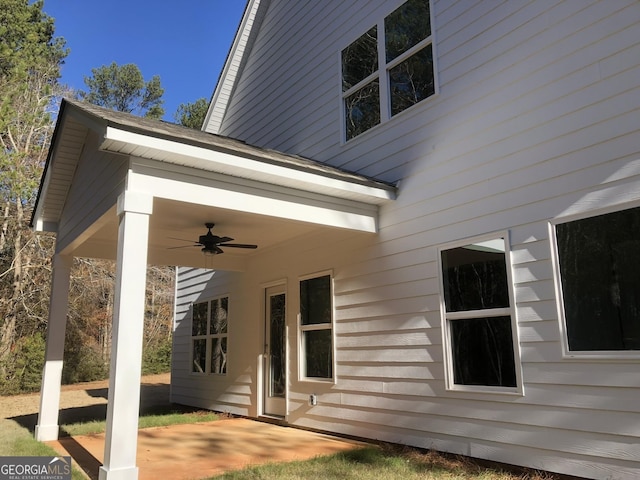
<point x="599" y="283"/>
<point x="388" y="69"/>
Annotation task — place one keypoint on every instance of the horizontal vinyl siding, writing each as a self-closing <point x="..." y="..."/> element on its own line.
<point x="536" y="120"/>
<point x="225" y="393"/>
<point x="98" y="181"/>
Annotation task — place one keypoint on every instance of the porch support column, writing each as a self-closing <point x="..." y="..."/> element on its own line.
<point x="47" y="427"/>
<point x="123" y="406"/>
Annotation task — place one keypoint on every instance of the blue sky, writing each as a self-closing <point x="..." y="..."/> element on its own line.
<point x="185" y="43"/>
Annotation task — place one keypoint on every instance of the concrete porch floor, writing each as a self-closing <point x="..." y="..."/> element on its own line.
<point x="200" y="450"/>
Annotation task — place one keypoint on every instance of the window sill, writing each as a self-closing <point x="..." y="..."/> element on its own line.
<point x="603" y="356"/>
<point x="483" y="389"/>
<point x="325" y="381"/>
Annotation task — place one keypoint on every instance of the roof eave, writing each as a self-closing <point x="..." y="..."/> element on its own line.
<point x="235" y="164"/>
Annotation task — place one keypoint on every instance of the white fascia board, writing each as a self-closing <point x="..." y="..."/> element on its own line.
<point x="39" y="224"/>
<point x="245" y="167"/>
<point x="251" y="201"/>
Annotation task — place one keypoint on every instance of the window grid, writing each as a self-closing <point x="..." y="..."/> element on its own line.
<point x="384" y="94"/>
<point x="209" y="336"/>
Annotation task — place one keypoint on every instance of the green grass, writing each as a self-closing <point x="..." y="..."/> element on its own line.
<point x="373" y="463"/>
<point x="19" y="442"/>
<point x="146" y="421"/>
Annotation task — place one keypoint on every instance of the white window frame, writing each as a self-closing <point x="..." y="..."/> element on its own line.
<point x="208" y="337"/>
<point x="383" y="80"/>
<point x="448" y="317"/>
<point x="302" y="329"/>
<point x="580" y="355"/>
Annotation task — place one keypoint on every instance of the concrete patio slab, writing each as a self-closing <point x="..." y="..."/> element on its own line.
<point x="200" y="450"/>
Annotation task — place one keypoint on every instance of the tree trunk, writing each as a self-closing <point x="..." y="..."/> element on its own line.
<point x="7" y="337"/>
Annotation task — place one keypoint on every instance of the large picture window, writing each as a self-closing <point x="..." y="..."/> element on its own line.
<point x="599" y="259"/>
<point x="209" y="330"/>
<point x="479" y="330"/>
<point x="388" y="69"/>
<point x="316" y="327"/>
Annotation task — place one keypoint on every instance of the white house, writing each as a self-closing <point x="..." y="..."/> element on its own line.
<point x="495" y="312"/>
<point x="444" y="197"/>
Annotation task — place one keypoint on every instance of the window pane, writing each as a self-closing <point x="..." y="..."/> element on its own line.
<point x="219" y="309"/>
<point x="199" y="356"/>
<point x="475" y="277"/>
<point x="219" y="355"/>
<point x="600" y="278"/>
<point x="199" y="323"/>
<point x="482" y="351"/>
<point x="406" y="26"/>
<point x="315" y="300"/>
<point x="411" y="81"/>
<point x="277" y="351"/>
<point x="317" y="347"/>
<point x="362" y="109"/>
<point x="360" y="59"/>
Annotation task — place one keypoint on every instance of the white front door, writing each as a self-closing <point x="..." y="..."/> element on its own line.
<point x="275" y="352"/>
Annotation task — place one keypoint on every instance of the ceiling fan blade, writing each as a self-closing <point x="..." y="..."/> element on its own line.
<point x="223" y="239"/>
<point x="184" y="246"/>
<point x="183" y="240"/>
<point x="238" y="245"/>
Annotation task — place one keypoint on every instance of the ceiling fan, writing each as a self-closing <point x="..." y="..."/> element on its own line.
<point x="211" y="243"/>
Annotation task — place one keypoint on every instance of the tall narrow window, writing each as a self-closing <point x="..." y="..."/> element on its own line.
<point x="209" y="330"/>
<point x="479" y="326"/>
<point x="600" y="281"/>
<point x="373" y="93"/>
<point x="316" y="327"/>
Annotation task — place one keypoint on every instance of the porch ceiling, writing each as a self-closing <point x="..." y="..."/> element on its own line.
<point x="252" y="195"/>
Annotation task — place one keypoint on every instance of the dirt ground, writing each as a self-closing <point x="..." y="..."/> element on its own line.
<point x="87" y="401"/>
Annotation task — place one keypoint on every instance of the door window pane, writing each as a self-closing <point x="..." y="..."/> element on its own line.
<point x="277" y="374"/>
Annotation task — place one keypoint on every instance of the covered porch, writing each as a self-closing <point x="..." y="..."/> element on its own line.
<point x="140" y="192"/>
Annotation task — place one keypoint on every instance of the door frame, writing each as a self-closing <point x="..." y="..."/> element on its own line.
<point x="270" y="406"/>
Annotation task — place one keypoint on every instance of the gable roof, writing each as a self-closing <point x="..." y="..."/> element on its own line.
<point x="234" y="64"/>
<point x="123" y="133"/>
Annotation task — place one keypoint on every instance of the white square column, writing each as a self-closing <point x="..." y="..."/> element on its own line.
<point x="123" y="405"/>
<point x="47" y="426"/>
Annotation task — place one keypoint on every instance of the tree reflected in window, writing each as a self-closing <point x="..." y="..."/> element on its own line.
<point x="371" y="93"/>
<point x="600" y="278"/>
